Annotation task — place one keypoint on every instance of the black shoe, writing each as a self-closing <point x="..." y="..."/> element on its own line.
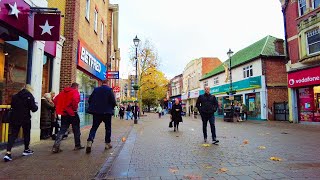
<point x="205" y="140"/>
<point x="174" y="130"/>
<point x="56" y="149"/>
<point x="7" y="157"/>
<point x="78" y="147"/>
<point x="27" y="152"/>
<point x="215" y="141"/>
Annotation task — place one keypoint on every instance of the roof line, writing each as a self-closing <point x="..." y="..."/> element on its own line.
<point x="265" y="44"/>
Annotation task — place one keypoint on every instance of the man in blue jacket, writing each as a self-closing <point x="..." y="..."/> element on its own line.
<point x="101" y="106"/>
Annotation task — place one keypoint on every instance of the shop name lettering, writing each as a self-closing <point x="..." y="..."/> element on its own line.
<point x="90" y="60"/>
<point x="308" y="79"/>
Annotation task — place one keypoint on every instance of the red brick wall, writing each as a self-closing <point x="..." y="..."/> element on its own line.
<point x="208" y="64"/>
<point x="275" y="73"/>
<point x="69" y="51"/>
<point x="293" y="48"/>
<point x="291" y="18"/>
<point x="276" y="94"/>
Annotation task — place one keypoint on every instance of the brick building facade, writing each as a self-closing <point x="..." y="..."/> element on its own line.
<point x="91" y="46"/>
<point x="302" y="22"/>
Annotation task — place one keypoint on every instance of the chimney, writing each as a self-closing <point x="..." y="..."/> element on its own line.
<point x="279" y="47"/>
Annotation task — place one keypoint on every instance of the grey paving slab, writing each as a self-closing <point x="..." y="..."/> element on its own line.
<point x="152" y="150"/>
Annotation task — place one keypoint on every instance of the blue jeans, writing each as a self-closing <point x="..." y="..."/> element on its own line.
<point x="128" y="114"/>
<point x="65" y="123"/>
<point x="211" y="120"/>
<point x="97" y="119"/>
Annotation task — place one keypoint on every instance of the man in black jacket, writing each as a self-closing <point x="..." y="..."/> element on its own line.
<point x="22" y="103"/>
<point x="207" y="105"/>
<point x="101" y="105"/>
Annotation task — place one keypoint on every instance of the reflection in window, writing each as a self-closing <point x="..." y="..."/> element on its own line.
<point x="13" y="68"/>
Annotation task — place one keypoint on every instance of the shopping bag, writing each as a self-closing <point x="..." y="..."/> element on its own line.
<point x="170" y="124"/>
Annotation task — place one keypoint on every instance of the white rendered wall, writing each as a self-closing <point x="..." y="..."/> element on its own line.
<point x="36" y="83"/>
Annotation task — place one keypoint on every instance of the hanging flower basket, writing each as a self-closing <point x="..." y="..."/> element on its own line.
<point x="135" y="87"/>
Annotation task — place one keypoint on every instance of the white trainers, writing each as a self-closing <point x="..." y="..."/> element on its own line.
<point x="27" y="152"/>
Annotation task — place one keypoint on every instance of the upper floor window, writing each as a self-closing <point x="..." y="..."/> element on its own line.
<point x="313" y="41"/>
<point x="205" y="83"/>
<point x="247" y="71"/>
<point x="302" y="7"/>
<point x="102" y="32"/>
<point x="316" y="3"/>
<point x="216" y="80"/>
<point x="95" y="20"/>
<point x="88" y="9"/>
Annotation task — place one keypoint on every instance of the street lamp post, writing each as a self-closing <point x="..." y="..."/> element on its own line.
<point x="136" y="42"/>
<point x="231" y="91"/>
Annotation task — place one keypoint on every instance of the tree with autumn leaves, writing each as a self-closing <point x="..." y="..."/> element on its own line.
<point x="152" y="82"/>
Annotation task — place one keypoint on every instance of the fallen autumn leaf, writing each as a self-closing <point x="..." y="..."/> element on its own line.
<point x="275" y="158"/>
<point x="261" y="147"/>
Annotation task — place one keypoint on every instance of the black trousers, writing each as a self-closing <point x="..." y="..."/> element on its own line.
<point x="55" y="125"/>
<point x="13" y="134"/>
<point x="176" y="124"/>
<point x="65" y="123"/>
<point x="97" y="120"/>
<point x="211" y="120"/>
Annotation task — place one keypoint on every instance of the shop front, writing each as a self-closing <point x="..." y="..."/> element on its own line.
<point x="249" y="93"/>
<point x="22" y="49"/>
<point x="305" y="91"/>
<point x="189" y="101"/>
<point x="90" y="71"/>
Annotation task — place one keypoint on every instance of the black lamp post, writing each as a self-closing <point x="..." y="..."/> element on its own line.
<point x="231" y="91"/>
<point x="136" y="42"/>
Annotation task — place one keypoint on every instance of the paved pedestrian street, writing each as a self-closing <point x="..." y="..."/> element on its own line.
<point x="247" y="150"/>
<point x="68" y="164"/>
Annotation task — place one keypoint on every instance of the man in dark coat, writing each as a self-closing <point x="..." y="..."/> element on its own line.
<point x="101" y="105"/>
<point x="22" y="103"/>
<point x="207" y="104"/>
<point x="176" y="114"/>
<point x="135" y="110"/>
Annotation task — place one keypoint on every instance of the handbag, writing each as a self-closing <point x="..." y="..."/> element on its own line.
<point x="170" y="124"/>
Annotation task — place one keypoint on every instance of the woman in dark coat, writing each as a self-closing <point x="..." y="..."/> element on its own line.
<point x="176" y="114"/>
<point x="121" y="111"/>
<point x="47" y="107"/>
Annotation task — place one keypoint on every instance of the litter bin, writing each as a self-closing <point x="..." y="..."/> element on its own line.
<point x="228" y="115"/>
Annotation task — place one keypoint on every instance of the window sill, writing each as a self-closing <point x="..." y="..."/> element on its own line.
<point x="87" y="19"/>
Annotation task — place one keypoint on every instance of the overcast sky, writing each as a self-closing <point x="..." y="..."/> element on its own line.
<point x="182" y="30"/>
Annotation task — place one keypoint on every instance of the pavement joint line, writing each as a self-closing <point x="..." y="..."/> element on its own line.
<point x="101" y="174"/>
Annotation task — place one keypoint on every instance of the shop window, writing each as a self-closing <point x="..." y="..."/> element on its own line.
<point x="86" y="87"/>
<point x="302" y="7"/>
<point x="247" y="71"/>
<point x="316" y="3"/>
<point x="13" y="68"/>
<point x="88" y="10"/>
<point x="313" y="41"/>
<point x="309" y="104"/>
<point x="253" y="105"/>
<point x="46" y="73"/>
<point x="95" y="20"/>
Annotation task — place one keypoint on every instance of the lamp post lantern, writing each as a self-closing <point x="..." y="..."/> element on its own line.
<point x="136" y="42"/>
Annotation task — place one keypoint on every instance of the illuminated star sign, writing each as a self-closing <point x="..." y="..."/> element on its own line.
<point x="14" y="10"/>
<point x="46" y="28"/>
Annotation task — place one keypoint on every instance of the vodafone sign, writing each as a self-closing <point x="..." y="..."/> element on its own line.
<point x="305" y="77"/>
